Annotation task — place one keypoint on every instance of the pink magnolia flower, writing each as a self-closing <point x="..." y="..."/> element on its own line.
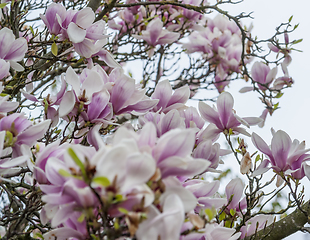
<point x="21" y="131"/>
<point x="224" y="117"/>
<point x="164" y="225"/>
<point x="126" y="96"/>
<point x="262" y="74"/>
<point x="11" y="50"/>
<point x="87" y="89"/>
<point x="234" y="191"/>
<point x="204" y="192"/>
<point x="211" y="152"/>
<point x="167" y="99"/>
<point x="51" y="16"/>
<point x="283" y="154"/>
<point x="155" y="34"/>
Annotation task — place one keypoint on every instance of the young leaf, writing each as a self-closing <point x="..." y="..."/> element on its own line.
<point x="103" y="181"/>
<point x="54" y="49"/>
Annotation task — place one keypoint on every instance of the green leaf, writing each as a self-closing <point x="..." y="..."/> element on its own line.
<point x="222" y="216"/>
<point x="228" y="224"/>
<point x="103" y="181"/>
<point x="232" y="212"/>
<point x="290" y="19"/>
<point x="38" y="235"/>
<point x="257" y="158"/>
<point x="94" y="237"/>
<point x="279" y="95"/>
<point x="296" y="26"/>
<point x="64" y="173"/>
<point x="78" y="162"/>
<point x="2" y="5"/>
<point x="123" y="210"/>
<point x="116" y="224"/>
<point x="209" y="213"/>
<point x="54" y="49"/>
<point x="31" y="30"/>
<point x="297" y="41"/>
<point x="81" y="218"/>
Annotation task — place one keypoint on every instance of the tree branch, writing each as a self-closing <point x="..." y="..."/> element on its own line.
<point x="285" y="227"/>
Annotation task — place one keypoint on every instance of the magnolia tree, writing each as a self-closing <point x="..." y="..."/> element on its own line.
<point x="88" y="152"/>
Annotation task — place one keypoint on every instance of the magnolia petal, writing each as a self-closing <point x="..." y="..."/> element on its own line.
<point x="253" y="120"/>
<point x="154" y="28"/>
<point x="246" y="89"/>
<point x="67" y="104"/>
<point x="261" y="145"/>
<point x="75" y="33"/>
<point x="33" y="133"/>
<point x="176" y="142"/>
<point x="16" y="66"/>
<point x="234" y="188"/>
<point x="188" y="199"/>
<point x="180" y="95"/>
<point x="280" y="147"/>
<point x="62" y="214"/>
<point x="92" y="84"/>
<point x="225" y="103"/>
<point x="73" y="79"/>
<point x="14" y="162"/>
<point x="306" y="168"/>
<point x="18" y="50"/>
<point x="140" y="167"/>
<point x="108" y="58"/>
<point x="163" y="92"/>
<point x="85" y="17"/>
<point x="209" y="114"/>
<point x="147" y="135"/>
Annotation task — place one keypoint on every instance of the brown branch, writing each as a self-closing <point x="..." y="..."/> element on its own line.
<point x="290" y="224"/>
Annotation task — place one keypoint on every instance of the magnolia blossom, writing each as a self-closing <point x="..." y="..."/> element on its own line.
<point x="167" y="99"/>
<point x="224" y="118"/>
<point x="20" y="130"/>
<point x="283" y="154"/>
<point x="155" y="34"/>
<point x="262" y="74"/>
<point x="12" y="51"/>
<point x="86" y="36"/>
<point x="234" y="190"/>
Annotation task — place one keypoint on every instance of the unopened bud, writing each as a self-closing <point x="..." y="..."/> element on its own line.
<point x="246" y="164"/>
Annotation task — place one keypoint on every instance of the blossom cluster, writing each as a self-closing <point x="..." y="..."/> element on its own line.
<point x="109" y="158"/>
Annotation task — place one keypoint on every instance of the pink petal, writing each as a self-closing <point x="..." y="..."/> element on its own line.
<point x="75" y="33"/>
<point x="261" y="145"/>
<point x="209" y="114"/>
<point x="18" y="50"/>
<point x="67" y="104"/>
<point x="154" y="28"/>
<point x="85" y="17"/>
<point x="177" y="142"/>
<point x="139" y="169"/>
<point x="225" y="103"/>
<point x="162" y="92"/>
<point x="280" y="147"/>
